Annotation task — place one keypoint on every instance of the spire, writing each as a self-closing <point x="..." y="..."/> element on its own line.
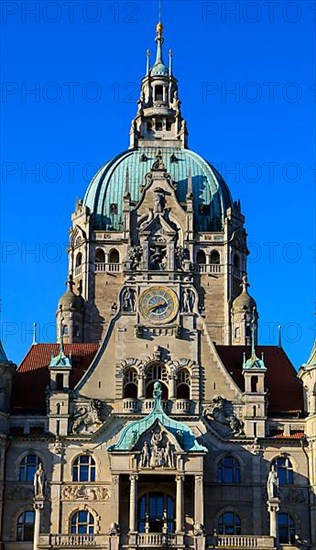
<point x="147" y="62"/>
<point x="159" y="68"/>
<point x="253" y="332"/>
<point x="170" y="62"/>
<point x="61" y="330"/>
<point x="34" y="343"/>
<point x="159" y="40"/>
<point x="280" y="336"/>
<point x="61" y="360"/>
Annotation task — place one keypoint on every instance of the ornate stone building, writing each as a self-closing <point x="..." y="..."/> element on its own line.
<point x="157" y="420"/>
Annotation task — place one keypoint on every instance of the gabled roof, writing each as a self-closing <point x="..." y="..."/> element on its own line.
<point x="285" y="392"/>
<point x="32" y="379"/>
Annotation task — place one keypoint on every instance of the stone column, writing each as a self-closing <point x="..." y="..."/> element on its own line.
<point x="172" y="386"/>
<point x="179" y="503"/>
<point x="273" y="509"/>
<point x="141" y="386"/>
<point x="198" y="500"/>
<point x="133" y="503"/>
<point x="38" y="507"/>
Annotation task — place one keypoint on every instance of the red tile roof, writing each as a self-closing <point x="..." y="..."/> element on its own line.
<point x="285" y="392"/>
<point x="32" y="379"/>
<point x="293" y="435"/>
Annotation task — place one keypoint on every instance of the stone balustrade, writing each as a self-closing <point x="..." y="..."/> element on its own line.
<point x="74" y="541"/>
<point x="244" y="541"/>
<point x="208" y="268"/>
<point x="108" y="267"/>
<point x="129" y="404"/>
<point x="156" y="540"/>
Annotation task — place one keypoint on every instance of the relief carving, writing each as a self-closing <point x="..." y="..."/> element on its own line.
<point x="221" y="411"/>
<point x="158" y="452"/>
<point x="88" y="417"/>
<point x="85" y="492"/>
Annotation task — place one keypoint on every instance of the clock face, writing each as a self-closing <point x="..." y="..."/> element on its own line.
<point x="158" y="304"/>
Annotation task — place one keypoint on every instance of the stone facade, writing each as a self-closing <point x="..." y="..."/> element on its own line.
<point x="157" y="420"/>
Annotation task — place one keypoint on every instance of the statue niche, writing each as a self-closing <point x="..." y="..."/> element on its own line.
<point x="158" y="239"/>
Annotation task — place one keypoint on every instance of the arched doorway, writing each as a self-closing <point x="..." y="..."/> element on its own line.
<point x="156" y="513"/>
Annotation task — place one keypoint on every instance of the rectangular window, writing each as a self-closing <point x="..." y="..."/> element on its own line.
<point x="158" y="124"/>
<point x="158" y="93"/>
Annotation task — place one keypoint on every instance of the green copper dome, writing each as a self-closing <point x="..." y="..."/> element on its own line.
<point x="105" y="193"/>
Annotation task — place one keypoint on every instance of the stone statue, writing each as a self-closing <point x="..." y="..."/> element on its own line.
<point x="272" y="483"/>
<point x="133" y="259"/>
<point x="188" y="300"/>
<point x="128" y="300"/>
<point x="169" y="456"/>
<point x="85" y="419"/>
<point x="39" y="479"/>
<point x="145" y="456"/>
<point x="158" y="164"/>
<point x="157" y="257"/>
<point x="159" y="202"/>
<point x="222" y="412"/>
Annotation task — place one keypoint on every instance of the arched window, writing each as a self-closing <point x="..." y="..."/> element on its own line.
<point x="78" y="259"/>
<point x="130" y="383"/>
<point x="286" y="529"/>
<point x="215" y="257"/>
<point x="183" y="384"/>
<point x="201" y="258"/>
<point x="156" y="513"/>
<point x="65" y="330"/>
<point x="229" y="524"/>
<point x="83" y="468"/>
<point x="82" y="523"/>
<point x="284" y="470"/>
<point x="28" y="467"/>
<point x="228" y="470"/>
<point x="114" y="257"/>
<point x="25" y="526"/>
<point x="156" y="372"/>
<point x="100" y="256"/>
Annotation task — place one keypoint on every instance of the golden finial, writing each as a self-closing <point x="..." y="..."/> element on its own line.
<point x="159" y="29"/>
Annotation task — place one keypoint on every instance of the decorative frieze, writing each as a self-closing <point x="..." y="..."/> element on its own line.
<point x="85" y="492"/>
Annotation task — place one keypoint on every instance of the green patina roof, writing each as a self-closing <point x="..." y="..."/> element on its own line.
<point x="60" y="361"/>
<point x="108" y="186"/>
<point x="133" y="431"/>
<point x="254" y="363"/>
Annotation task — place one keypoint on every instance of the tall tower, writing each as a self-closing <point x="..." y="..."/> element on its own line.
<point x="159" y="181"/>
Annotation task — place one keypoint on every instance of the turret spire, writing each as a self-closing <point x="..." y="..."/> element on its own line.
<point x="159" y="40"/>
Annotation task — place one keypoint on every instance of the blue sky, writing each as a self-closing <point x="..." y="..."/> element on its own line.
<point x="70" y="80"/>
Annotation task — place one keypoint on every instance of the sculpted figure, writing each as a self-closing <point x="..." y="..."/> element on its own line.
<point x="145" y="456"/>
<point x="169" y="456"/>
<point x="39" y="482"/>
<point x="188" y="301"/>
<point x="272" y="483"/>
<point x="128" y="300"/>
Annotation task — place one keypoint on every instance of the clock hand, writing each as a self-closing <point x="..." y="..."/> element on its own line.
<point x="152" y="308"/>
